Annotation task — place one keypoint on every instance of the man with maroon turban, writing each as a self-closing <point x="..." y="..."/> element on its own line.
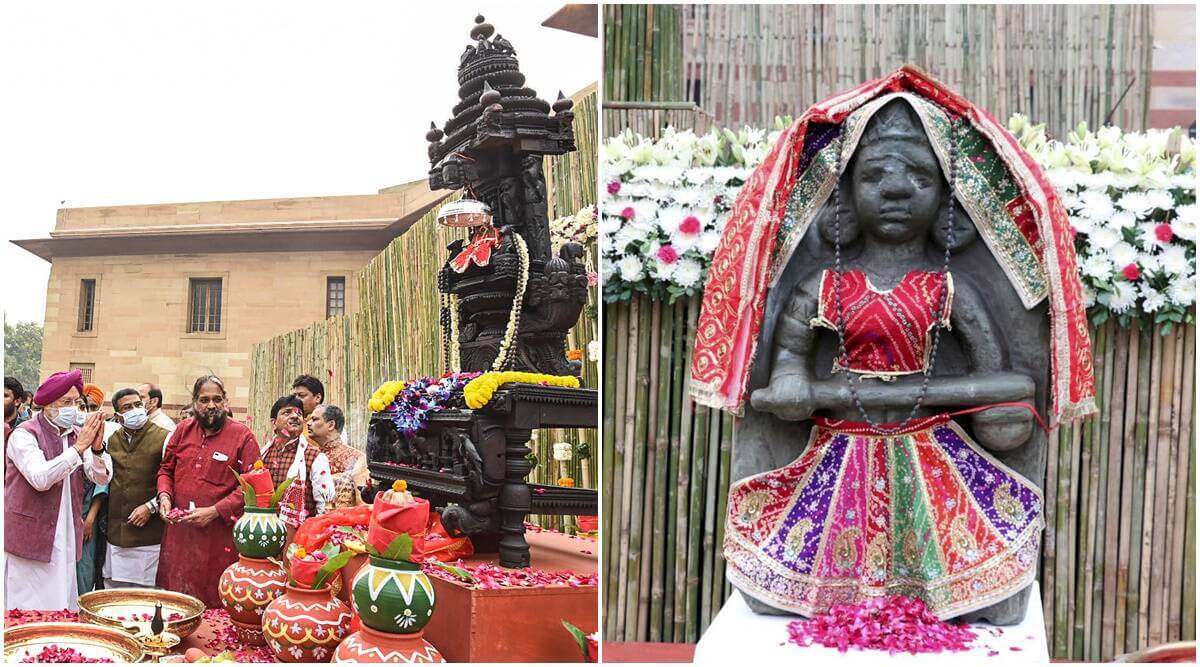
<point x="47" y="459"/>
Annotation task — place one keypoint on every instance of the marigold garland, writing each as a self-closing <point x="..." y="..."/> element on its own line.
<point x="384" y="395"/>
<point x="479" y="391"/>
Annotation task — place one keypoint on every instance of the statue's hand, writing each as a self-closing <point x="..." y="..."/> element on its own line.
<point x="788" y="398"/>
<point x="1002" y="429"/>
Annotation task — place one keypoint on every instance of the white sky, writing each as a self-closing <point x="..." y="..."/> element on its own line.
<point x="108" y="103"/>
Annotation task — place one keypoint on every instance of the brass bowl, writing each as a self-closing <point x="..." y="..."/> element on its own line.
<point x="1173" y="652"/>
<point x="102" y="608"/>
<point x="93" y="641"/>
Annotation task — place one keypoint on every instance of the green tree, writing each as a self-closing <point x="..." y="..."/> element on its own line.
<point x="23" y="352"/>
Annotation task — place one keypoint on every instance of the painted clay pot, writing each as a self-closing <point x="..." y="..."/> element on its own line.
<point x="393" y="596"/>
<point x="260" y="533"/>
<point x="304" y="625"/>
<point x="369" y="645"/>
<point x="245" y="589"/>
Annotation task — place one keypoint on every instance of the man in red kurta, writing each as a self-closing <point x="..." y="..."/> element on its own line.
<point x="196" y="477"/>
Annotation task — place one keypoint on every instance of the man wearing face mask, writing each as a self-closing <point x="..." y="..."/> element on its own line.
<point x="196" y="475"/>
<point x="152" y="398"/>
<point x="134" y="529"/>
<point x="48" y="459"/>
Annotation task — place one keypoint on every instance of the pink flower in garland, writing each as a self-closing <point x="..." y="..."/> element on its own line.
<point x="593" y="279"/>
<point x="1131" y="272"/>
<point x="1164" y="232"/>
<point x="690" y="225"/>
<point x="628" y="213"/>
<point x="614" y="187"/>
<point x="667" y="254"/>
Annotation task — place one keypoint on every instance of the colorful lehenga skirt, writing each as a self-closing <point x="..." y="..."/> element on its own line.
<point x="926" y="513"/>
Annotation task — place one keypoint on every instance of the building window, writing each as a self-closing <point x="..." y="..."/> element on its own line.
<point x="204" y="305"/>
<point x="335" y="296"/>
<point x="87" y="304"/>
<point x="87" y="370"/>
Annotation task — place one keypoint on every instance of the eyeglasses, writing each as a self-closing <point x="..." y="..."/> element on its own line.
<point x="67" y="402"/>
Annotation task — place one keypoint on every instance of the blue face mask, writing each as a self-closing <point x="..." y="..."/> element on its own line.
<point x="68" y="417"/>
<point x="135" y="418"/>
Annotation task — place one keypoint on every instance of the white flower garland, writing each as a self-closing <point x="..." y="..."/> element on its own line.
<point x="514" y="317"/>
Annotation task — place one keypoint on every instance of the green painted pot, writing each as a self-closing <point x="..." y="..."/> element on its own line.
<point x="393" y="596"/>
<point x="260" y="533"/>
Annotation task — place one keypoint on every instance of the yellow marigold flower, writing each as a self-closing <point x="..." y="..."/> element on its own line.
<point x="399" y="485"/>
<point x="300" y="553"/>
<point x="479" y="391"/>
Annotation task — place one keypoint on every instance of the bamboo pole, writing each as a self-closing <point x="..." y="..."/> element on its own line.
<point x="1152" y="360"/>
<point x="613" y="470"/>
<point x="1117" y="414"/>
<point x="648" y="426"/>
<point x="660" y="394"/>
<point x="627" y="464"/>
<point x="1181" y="429"/>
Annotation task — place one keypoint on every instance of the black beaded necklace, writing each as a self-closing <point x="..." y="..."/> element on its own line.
<point x="843" y="355"/>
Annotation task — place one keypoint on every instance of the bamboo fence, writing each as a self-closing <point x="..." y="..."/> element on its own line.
<point x="395" y="334"/>
<point x="1118" y="572"/>
<point x="746" y="64"/>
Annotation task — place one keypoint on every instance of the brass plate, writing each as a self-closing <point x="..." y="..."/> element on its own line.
<point x="93" y="641"/>
<point x="103" y="607"/>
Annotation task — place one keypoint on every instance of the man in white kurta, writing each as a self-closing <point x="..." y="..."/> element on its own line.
<point x="33" y="584"/>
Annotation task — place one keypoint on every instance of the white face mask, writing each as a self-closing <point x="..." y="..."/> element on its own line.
<point x="135" y="418"/>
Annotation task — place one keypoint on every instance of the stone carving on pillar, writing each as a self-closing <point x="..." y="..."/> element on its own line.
<point x="508" y="302"/>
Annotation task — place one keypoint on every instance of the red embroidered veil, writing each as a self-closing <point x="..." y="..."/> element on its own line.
<point x="1015" y="209"/>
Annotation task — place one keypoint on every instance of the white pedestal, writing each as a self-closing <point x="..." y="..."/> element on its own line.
<point x="738" y="636"/>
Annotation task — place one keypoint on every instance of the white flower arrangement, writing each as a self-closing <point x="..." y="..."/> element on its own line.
<point x="666" y="204"/>
<point x="1131" y="198"/>
<point x="578" y="228"/>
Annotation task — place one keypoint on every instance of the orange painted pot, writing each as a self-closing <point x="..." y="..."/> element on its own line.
<point x="304" y="625"/>
<point x="246" y="588"/>
<point x="369" y="645"/>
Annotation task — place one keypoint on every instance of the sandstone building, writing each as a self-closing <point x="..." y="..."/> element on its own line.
<point x="165" y="293"/>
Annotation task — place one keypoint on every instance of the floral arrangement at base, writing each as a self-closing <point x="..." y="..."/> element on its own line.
<point x="667" y="203"/>
<point x="478" y="392"/>
<point x="408" y="403"/>
<point x="1131" y="197"/>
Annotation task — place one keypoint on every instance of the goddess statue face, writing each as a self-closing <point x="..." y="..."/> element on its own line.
<point x="896" y="182"/>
